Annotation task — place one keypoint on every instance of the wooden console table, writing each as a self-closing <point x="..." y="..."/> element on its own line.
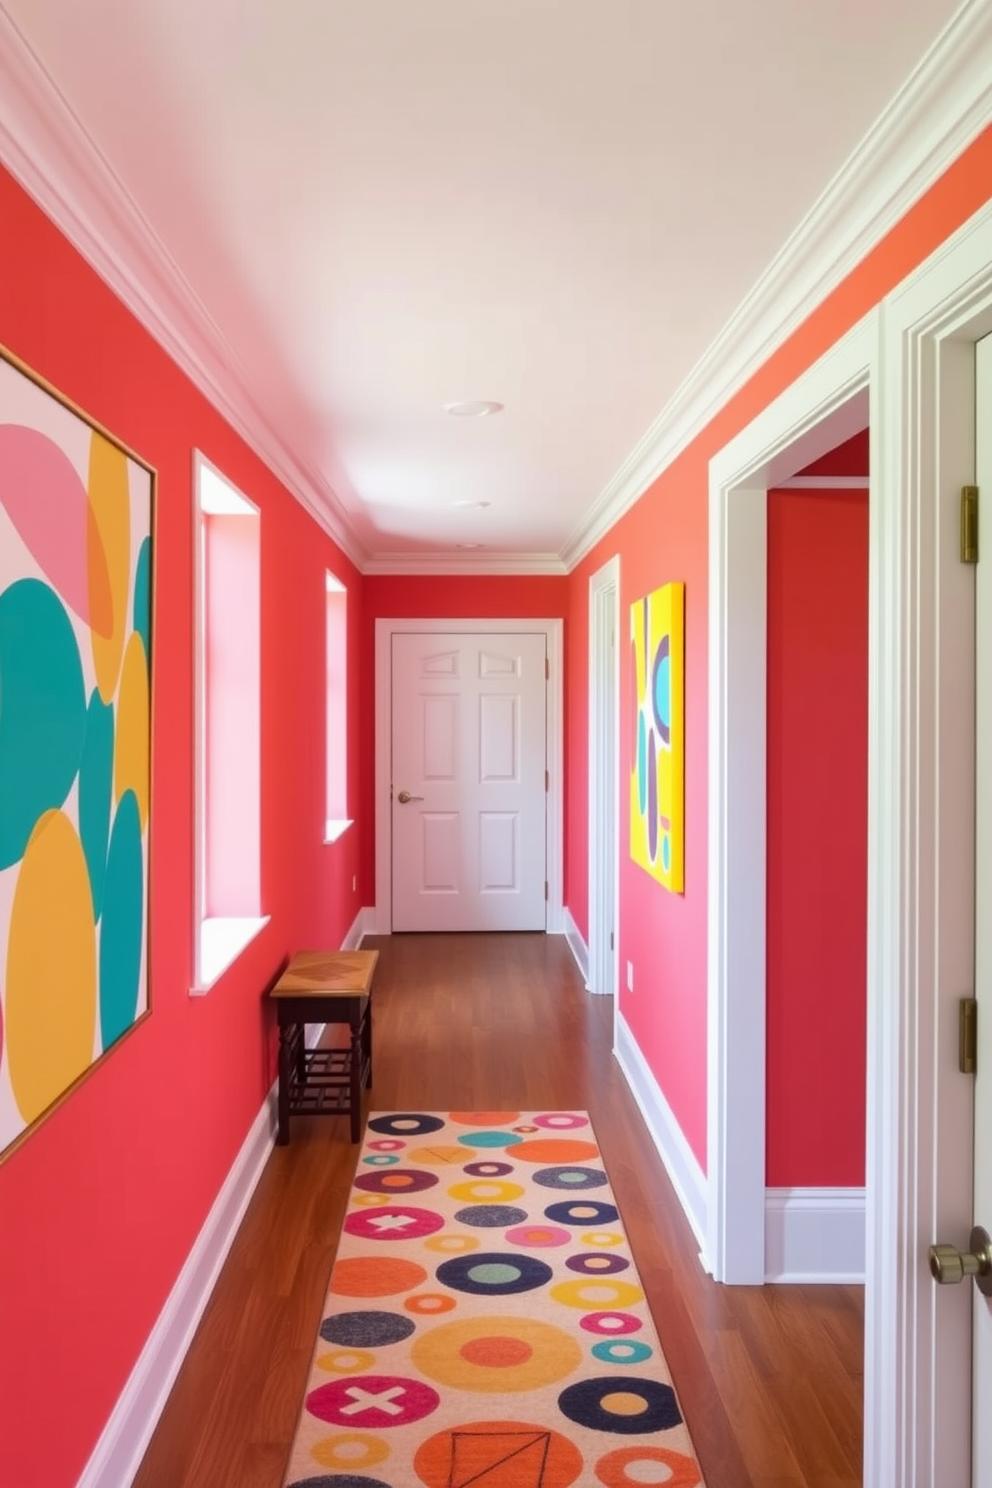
<point x="324" y="987"/>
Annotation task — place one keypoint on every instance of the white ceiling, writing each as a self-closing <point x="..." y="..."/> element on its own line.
<point x="384" y="206"/>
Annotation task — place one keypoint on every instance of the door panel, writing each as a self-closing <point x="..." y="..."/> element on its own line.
<point x="469" y="748"/>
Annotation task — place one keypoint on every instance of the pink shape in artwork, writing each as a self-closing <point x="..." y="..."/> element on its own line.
<point x="46" y="500"/>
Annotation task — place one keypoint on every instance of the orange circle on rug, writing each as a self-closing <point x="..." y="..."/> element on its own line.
<point x="372" y="1276"/>
<point x="452" y="1244"/>
<point x="554" y="1150"/>
<point x="427" y="1303"/>
<point x="349" y="1449"/>
<point x="439" y="1156"/>
<point x="501" y="1454"/>
<point x="496" y="1352"/>
<point x="482" y="1118"/>
<point x="682" y="1471"/>
<point x="368" y="1200"/>
<point x="345" y="1361"/>
<point x="494" y="1355"/>
<point x="597" y="1294"/>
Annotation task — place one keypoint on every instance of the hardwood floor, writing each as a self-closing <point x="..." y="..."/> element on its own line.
<point x="770" y="1378"/>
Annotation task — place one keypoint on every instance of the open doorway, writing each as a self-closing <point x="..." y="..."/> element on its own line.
<point x="821" y="411"/>
<point x="817" y="868"/>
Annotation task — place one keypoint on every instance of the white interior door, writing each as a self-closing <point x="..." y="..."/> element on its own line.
<point x="469" y="783"/>
<point x="982" y="1381"/>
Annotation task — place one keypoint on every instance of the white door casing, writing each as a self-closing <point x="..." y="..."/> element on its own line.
<point x="385" y="630"/>
<point x="469" y="752"/>
<point x="604" y="776"/>
<point x="982" y="1211"/>
<point x="829" y="404"/>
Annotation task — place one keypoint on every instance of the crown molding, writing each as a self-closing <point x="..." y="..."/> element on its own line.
<point x="47" y="149"/>
<point x="465" y="563"/>
<point x="940" y="109"/>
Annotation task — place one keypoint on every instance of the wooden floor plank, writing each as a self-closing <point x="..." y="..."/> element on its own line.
<point x="770" y="1378"/>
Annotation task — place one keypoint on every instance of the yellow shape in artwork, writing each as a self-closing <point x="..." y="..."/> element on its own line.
<point x="51" y="968"/>
<point x="109" y="554"/>
<point x="131" y="750"/>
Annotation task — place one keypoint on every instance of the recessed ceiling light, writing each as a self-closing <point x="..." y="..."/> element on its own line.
<point x="473" y="408"/>
<point x="468" y="545"/>
<point x="464" y="504"/>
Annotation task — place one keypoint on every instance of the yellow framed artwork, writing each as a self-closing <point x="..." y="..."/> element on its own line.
<point x="657" y="777"/>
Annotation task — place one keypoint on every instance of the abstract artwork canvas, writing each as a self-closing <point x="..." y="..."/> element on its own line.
<point x="657" y="777"/>
<point x="75" y="738"/>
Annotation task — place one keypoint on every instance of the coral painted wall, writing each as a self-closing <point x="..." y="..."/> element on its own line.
<point x="100" y="1206"/>
<point x="664" y="536"/>
<point x="817" y="843"/>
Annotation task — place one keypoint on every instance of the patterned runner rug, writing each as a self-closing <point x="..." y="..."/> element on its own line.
<point x="485" y="1326"/>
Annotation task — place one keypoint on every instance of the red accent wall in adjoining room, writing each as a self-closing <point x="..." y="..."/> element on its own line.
<point x="100" y="1206"/>
<point x="817" y="844"/>
<point x="664" y="536"/>
<point x="455" y="597"/>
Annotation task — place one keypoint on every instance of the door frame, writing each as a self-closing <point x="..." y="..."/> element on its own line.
<point x="604" y="776"/>
<point x="824" y="407"/>
<point x="385" y="629"/>
<point x="914" y="356"/>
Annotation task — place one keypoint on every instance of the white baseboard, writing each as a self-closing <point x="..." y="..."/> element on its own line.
<point x="363" y="924"/>
<point x="815" y="1234"/>
<point x="681" y="1163"/>
<point x="117" y="1455"/>
<point x="576" y="945"/>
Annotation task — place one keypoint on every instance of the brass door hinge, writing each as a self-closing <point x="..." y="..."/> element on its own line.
<point x="545" y="888"/>
<point x="967" y="1035"/>
<point x="969" y="524"/>
<point x="546" y="780"/>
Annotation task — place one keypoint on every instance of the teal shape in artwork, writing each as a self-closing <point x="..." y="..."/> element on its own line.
<point x="642" y="762"/>
<point x="42" y="710"/>
<point x="121" y="929"/>
<point x="96" y="778"/>
<point x="142" y="608"/>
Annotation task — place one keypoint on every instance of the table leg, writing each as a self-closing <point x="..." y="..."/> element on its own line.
<point x="285" y="1057"/>
<point x="368" y="1038"/>
<point x="355" y="1074"/>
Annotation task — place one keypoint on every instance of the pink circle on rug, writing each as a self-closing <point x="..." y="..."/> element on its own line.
<point x="562" y="1120"/>
<point x="388" y="1144"/>
<point x="373" y="1401"/>
<point x="536" y="1236"/>
<point x="611" y="1324"/>
<point x="394" y="1222"/>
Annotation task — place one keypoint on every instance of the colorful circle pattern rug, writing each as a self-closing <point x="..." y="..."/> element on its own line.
<point x="485" y="1326"/>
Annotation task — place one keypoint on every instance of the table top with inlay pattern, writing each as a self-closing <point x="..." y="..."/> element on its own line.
<point x="327" y="974"/>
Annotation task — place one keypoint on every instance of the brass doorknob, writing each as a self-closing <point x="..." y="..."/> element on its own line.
<point x="949" y="1265"/>
<point x="405" y="796"/>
